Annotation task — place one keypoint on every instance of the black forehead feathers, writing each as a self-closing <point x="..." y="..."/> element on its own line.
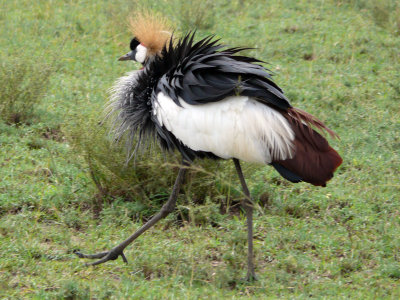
<point x="134" y="43"/>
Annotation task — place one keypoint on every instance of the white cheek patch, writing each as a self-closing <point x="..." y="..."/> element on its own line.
<point x="141" y="52"/>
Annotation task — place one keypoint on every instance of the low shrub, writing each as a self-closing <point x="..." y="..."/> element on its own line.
<point x="23" y="84"/>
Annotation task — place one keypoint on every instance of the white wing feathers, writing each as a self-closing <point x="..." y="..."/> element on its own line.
<point x="237" y="126"/>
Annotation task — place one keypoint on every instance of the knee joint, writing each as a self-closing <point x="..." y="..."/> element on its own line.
<point x="167" y="209"/>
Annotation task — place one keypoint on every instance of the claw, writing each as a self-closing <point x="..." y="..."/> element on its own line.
<point x="92" y="256"/>
<point x="79" y="254"/>
<point x="124" y="258"/>
<point x="251" y="277"/>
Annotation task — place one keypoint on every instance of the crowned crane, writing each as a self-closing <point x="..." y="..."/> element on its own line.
<point x="206" y="100"/>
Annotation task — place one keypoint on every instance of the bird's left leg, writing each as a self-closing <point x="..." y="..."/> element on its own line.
<point x="248" y="207"/>
<point x="167" y="208"/>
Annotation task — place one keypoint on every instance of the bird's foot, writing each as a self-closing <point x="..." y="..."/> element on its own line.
<point x="103" y="256"/>
<point x="251" y="276"/>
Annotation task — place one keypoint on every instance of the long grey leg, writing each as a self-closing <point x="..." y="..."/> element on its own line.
<point x="248" y="207"/>
<point x="167" y="208"/>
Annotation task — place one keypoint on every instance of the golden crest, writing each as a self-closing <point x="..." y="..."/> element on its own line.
<point x="151" y="30"/>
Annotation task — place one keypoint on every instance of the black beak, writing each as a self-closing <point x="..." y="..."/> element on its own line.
<point x="128" y="56"/>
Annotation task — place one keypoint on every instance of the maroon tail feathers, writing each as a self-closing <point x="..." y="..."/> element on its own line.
<point x="314" y="160"/>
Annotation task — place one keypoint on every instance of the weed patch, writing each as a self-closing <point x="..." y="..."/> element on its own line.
<point x="23" y="84"/>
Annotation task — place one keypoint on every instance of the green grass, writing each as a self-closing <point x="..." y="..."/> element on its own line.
<point x="336" y="59"/>
<point x="22" y="88"/>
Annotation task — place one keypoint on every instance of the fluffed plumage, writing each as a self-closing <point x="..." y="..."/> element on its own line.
<point x="205" y="100"/>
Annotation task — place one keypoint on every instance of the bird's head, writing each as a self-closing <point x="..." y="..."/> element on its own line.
<point x="138" y="52"/>
<point x="151" y="33"/>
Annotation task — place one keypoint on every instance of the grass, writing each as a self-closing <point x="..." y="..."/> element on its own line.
<point x="336" y="59"/>
<point x="22" y="88"/>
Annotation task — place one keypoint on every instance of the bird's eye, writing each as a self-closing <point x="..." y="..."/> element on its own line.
<point x="134" y="43"/>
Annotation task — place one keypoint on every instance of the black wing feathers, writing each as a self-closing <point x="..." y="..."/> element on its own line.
<point x="204" y="72"/>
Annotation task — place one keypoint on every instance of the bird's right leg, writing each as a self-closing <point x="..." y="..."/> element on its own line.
<point x="167" y="208"/>
<point x="248" y="207"/>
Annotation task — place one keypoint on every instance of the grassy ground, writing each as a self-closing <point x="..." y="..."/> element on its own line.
<point x="339" y="60"/>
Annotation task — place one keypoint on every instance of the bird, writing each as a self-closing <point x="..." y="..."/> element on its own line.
<point x="206" y="100"/>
